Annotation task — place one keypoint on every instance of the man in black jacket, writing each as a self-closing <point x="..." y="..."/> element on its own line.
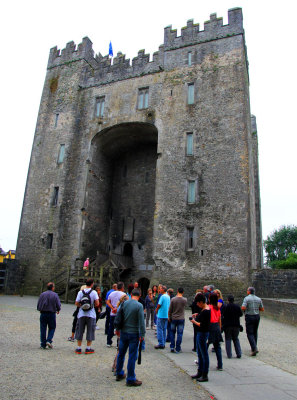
<point x="231" y="324"/>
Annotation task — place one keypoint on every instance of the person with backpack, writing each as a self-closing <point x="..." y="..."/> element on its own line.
<point x="86" y="300"/>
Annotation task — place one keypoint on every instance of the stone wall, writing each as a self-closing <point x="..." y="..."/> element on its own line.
<point x="273" y="283"/>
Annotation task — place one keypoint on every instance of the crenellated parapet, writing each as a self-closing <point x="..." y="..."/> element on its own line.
<point x="105" y="71"/>
<point x="83" y="51"/>
<point x="213" y="29"/>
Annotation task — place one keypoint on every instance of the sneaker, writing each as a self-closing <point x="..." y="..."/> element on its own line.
<point x="172" y="350"/>
<point x="78" y="351"/>
<point x="134" y="383"/>
<point x="159" y="347"/>
<point x="120" y="377"/>
<point x="108" y="345"/>
<point x="49" y="345"/>
<point x="178" y="351"/>
<point x="238" y="356"/>
<point x="220" y="369"/>
<point x="70" y="339"/>
<point x="196" y="362"/>
<point x="253" y="353"/>
<point x="89" y="351"/>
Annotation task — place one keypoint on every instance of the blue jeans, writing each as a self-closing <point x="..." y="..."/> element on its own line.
<point x="202" y="351"/>
<point x="47" y="320"/>
<point x="177" y="325"/>
<point x="110" y="333"/>
<point x="130" y="340"/>
<point x="161" y="330"/>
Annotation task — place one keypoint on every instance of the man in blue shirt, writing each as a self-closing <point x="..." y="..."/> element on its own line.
<point x="162" y="320"/>
<point x="114" y="287"/>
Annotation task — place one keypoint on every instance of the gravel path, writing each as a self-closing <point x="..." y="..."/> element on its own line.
<point x="28" y="373"/>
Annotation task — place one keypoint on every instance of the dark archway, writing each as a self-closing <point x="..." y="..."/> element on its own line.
<point x="120" y="193"/>
<point x="128" y="250"/>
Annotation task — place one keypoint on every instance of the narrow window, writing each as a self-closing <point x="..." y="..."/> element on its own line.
<point x="190" y="238"/>
<point x="49" y="241"/>
<point x="100" y="101"/>
<point x="189" y="58"/>
<point x="143" y="98"/>
<point x="191" y="192"/>
<point x="146" y="179"/>
<point x="56" y="120"/>
<point x="191" y="93"/>
<point x="61" y="153"/>
<point x="201" y="252"/>
<point x="189" y="150"/>
<point x="55" y="196"/>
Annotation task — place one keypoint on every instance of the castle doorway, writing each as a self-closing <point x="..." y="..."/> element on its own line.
<point x="128" y="250"/>
<point x="144" y="284"/>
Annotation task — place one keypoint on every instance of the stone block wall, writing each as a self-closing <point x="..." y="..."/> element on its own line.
<point x="274" y="283"/>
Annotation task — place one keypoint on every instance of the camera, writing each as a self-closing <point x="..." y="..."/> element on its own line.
<point x="190" y="318"/>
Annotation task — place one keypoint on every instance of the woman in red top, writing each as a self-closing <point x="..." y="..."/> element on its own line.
<point x="215" y="335"/>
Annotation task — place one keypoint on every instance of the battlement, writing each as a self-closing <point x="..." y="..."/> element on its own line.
<point x="105" y="71"/>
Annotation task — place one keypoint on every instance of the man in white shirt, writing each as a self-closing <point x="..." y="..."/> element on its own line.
<point x="86" y="317"/>
<point x="112" y="302"/>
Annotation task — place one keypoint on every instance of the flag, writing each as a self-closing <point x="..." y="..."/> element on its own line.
<point x="110" y="49"/>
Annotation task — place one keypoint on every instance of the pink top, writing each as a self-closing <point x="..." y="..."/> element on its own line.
<point x="215" y="315"/>
<point x="86" y="263"/>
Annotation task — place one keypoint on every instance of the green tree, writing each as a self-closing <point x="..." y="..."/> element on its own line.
<point x="281" y="245"/>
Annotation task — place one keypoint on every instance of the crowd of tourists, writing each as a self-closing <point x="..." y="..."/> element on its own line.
<point x="128" y="315"/>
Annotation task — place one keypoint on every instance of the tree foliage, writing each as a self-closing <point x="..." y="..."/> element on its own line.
<point x="281" y="247"/>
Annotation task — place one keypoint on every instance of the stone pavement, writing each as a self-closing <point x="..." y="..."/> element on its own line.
<point x="247" y="378"/>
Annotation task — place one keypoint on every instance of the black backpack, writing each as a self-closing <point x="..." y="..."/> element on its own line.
<point x="86" y="302"/>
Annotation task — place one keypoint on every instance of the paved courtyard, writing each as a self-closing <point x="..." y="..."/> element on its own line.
<point x="28" y="373"/>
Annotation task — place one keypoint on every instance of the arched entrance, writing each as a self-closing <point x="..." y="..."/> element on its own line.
<point x="120" y="195"/>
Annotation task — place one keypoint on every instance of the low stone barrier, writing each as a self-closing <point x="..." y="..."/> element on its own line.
<point x="282" y="310"/>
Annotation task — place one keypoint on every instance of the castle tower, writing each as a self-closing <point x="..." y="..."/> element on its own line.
<point x="155" y="161"/>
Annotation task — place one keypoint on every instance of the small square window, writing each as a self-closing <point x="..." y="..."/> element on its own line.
<point x="143" y="97"/>
<point x="100" y="102"/>
<point x="191" y="192"/>
<point x="61" y="154"/>
<point x="191" y="93"/>
<point x="190" y="143"/>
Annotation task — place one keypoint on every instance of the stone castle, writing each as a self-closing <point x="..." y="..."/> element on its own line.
<point x="153" y="163"/>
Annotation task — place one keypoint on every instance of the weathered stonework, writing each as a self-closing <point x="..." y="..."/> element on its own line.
<point x="124" y="179"/>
